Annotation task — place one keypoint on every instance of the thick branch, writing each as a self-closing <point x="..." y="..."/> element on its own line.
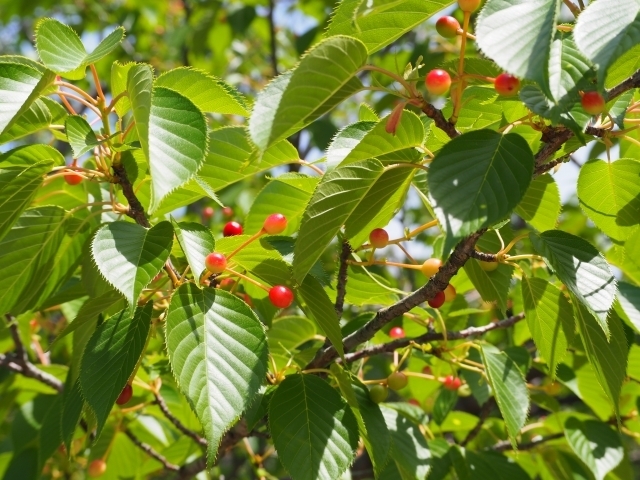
<point x="136" y="210"/>
<point x="484" y="257"/>
<point x="432" y="337"/>
<point x="177" y="423"/>
<point x="341" y="290"/>
<point x="437" y="283"/>
<point x="151" y="452"/>
<point x="437" y="116"/>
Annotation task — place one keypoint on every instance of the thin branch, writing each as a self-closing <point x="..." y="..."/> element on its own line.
<point x="136" y="210"/>
<point x="484" y="414"/>
<point x="148" y="449"/>
<point x="432" y="337"/>
<point x="341" y="290"/>
<point x="20" y="363"/>
<point x="437" y="116"/>
<point x="505" y="445"/>
<point x="573" y="7"/>
<point x="177" y="423"/>
<point x="484" y="257"/>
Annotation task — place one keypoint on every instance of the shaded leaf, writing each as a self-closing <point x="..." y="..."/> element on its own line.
<point x="596" y="444"/>
<point x="540" y="206"/>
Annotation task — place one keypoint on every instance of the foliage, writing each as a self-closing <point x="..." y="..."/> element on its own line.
<point x="514" y="352"/>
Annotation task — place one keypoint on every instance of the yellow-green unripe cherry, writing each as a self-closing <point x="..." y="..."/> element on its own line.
<point x="378" y="393"/>
<point x="397" y="381"/>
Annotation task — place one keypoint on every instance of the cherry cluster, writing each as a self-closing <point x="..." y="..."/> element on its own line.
<point x="438" y="81"/>
<point x="217" y="263"/>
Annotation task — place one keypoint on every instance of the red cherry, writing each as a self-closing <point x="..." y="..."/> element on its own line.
<point x="207" y="213"/>
<point x="447" y="26"/>
<point x="215" y="262"/>
<point x="438" y="82"/>
<point x="593" y="103"/>
<point x="468" y="5"/>
<point x="379" y="238"/>
<point x="97" y="468"/>
<point x="73" y="178"/>
<point x="281" y="296"/>
<point x="506" y="84"/>
<point x="437" y="301"/>
<point x="397" y="332"/>
<point x="247" y="299"/>
<point x="231" y="229"/>
<point x="227" y="283"/>
<point x="413" y="401"/>
<point x="275" y="224"/>
<point x="125" y="395"/>
<point x="227" y="212"/>
<point x="426" y="370"/>
<point x="452" y="383"/>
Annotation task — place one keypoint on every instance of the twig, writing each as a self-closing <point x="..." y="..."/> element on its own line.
<point x="148" y="449"/>
<point x="432" y="337"/>
<point x="505" y="445"/>
<point x="177" y="423"/>
<point x="573" y="7"/>
<point x="136" y="210"/>
<point x="438" y="118"/>
<point x="484" y="414"/>
<point x="342" y="278"/>
<point x="484" y="257"/>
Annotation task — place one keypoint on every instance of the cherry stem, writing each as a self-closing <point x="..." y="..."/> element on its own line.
<point x="66" y="103"/>
<point x="631" y="139"/>
<point x="467" y="34"/>
<point x="573" y="7"/>
<point x="407" y="237"/>
<point x="250" y="280"/>
<point x="406" y="253"/>
<point x="394" y="76"/>
<point x="311" y="166"/>
<point x="380" y="262"/>
<point x="457" y="99"/>
<point x="253" y="237"/>
<point x="78" y="90"/>
<point x="172" y="275"/>
<point x="115" y="100"/>
<point x="127" y="130"/>
<point x="318" y="370"/>
<point x="479" y="77"/>
<point x="96" y="80"/>
<point x="81" y="100"/>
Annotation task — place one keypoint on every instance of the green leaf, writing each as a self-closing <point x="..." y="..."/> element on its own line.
<point x="325" y="76"/>
<point x="288" y="194"/>
<point x="371" y="424"/>
<point x="509" y="388"/>
<point x="527" y="28"/>
<point x="363" y="289"/>
<point x="569" y="71"/>
<point x="336" y="197"/>
<point x="90" y="310"/>
<point x="380" y="24"/>
<point x="37" y="117"/>
<point x="72" y="403"/>
<point x="608" y="357"/>
<point x="629" y="298"/>
<point x="540" y="206"/>
<point x="381" y="203"/>
<point x="218" y="352"/>
<point x="177" y="142"/>
<point x="110" y="357"/>
<point x="605" y="30"/>
<point x="477" y="179"/>
<point x="129" y="256"/>
<point x="596" y="444"/>
<point x="550" y="319"/>
<point x="609" y="195"/>
<point x="80" y="135"/>
<point x="196" y="242"/>
<point x="50" y="436"/>
<point x="27" y="155"/>
<point x="319" y="307"/>
<point x="630" y="261"/>
<point x="378" y="143"/>
<point x="18" y="188"/>
<point x="314" y="431"/>
<point x="409" y="449"/>
<point x="230" y="154"/>
<point x="492" y="286"/>
<point x="119" y="78"/>
<point x="288" y="333"/>
<point x="27" y="254"/>
<point x="20" y="86"/>
<point x="581" y="268"/>
<point x="208" y="93"/>
<point x="445" y="401"/>
<point x="61" y="50"/>
<point x="346" y="140"/>
<point x="139" y="88"/>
